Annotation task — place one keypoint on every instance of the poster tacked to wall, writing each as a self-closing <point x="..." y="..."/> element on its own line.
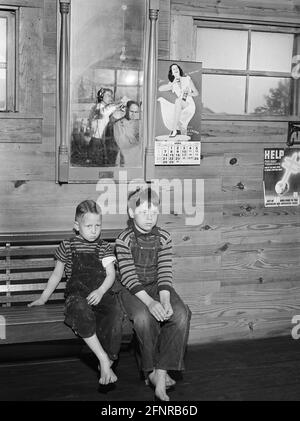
<point x="281" y="177"/>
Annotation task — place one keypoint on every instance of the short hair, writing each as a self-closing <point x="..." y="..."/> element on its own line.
<point x="128" y="105"/>
<point x="87" y="206"/>
<point x="101" y="92"/>
<point x="170" y="74"/>
<point x="141" y="195"/>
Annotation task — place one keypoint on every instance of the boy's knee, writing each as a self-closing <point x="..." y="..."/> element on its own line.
<point x="143" y="319"/>
<point x="182" y="315"/>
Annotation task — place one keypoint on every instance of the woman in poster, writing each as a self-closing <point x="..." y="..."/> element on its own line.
<point x="177" y="115"/>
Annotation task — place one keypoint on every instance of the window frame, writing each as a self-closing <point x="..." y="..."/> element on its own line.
<point x="12" y="17"/>
<point x="250" y="27"/>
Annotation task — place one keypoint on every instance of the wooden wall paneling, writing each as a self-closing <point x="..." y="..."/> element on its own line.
<point x="195" y="250"/>
<point x="23" y="162"/>
<point x="49" y="57"/>
<point x="49" y="109"/>
<point x="274" y="11"/>
<point x="205" y="330"/>
<point x="244" y="131"/>
<point x="190" y="267"/>
<point x="195" y="236"/>
<point x="23" y="3"/>
<point x="30" y="59"/>
<point x="50" y="10"/>
<point x="21" y="129"/>
<point x="40" y="206"/>
<point x="247" y="232"/>
<point x="164" y="29"/>
<point x="268" y="275"/>
<point x="210" y="167"/>
<point x="244" y="313"/>
<point x="182" y="38"/>
<point x="55" y="217"/>
<point x="256" y="214"/>
<point x="238" y="189"/>
<point x="256" y="257"/>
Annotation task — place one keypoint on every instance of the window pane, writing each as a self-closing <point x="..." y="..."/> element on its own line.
<point x="269" y="96"/>
<point x="104" y="76"/>
<point x="127" y="77"/>
<point x="270" y="51"/>
<point x="3" y="64"/>
<point x="222" y="48"/>
<point x="2" y="40"/>
<point x="130" y="93"/>
<point x="223" y="94"/>
<point x="2" y="89"/>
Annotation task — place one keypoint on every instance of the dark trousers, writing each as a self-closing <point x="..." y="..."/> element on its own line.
<point x="162" y="344"/>
<point x="104" y="319"/>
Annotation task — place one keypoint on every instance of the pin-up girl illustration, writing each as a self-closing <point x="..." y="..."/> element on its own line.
<point x="176" y="116"/>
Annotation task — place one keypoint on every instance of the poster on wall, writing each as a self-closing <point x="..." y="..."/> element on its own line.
<point x="178" y="113"/>
<point x="281" y="177"/>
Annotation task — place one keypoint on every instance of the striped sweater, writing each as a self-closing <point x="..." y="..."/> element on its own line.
<point x="102" y="248"/>
<point x="129" y="276"/>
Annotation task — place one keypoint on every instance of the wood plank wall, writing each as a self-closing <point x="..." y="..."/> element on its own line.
<point x="239" y="269"/>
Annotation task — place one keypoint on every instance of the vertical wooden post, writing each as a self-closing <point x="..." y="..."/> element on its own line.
<point x="63" y="155"/>
<point x="295" y="105"/>
<point x="151" y="88"/>
<point x="7" y="272"/>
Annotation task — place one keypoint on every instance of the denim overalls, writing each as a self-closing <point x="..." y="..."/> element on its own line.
<point x="162" y="344"/>
<point x="105" y="318"/>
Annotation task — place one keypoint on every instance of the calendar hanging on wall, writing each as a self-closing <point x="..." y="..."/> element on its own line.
<point x="171" y="152"/>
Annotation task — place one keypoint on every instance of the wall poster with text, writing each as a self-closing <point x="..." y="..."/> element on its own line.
<point x="281" y="177"/>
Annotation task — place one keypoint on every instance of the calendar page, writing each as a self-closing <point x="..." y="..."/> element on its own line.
<point x="171" y="152"/>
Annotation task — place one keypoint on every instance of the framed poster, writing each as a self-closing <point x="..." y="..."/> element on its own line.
<point x="102" y="52"/>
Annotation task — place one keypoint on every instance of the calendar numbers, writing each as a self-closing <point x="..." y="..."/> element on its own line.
<point x="168" y="152"/>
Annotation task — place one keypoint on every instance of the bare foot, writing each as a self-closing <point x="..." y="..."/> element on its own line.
<point x="169" y="381"/>
<point x="106" y="373"/>
<point x="158" y="379"/>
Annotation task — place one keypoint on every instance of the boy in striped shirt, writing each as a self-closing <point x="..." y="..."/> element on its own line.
<point x="160" y="318"/>
<point x="91" y="307"/>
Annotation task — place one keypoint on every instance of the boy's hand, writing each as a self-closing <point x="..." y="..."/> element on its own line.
<point x="168" y="309"/>
<point x="157" y="310"/>
<point x="38" y="302"/>
<point x="164" y="298"/>
<point x="95" y="297"/>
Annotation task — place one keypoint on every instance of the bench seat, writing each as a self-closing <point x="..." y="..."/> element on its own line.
<point x="26" y="261"/>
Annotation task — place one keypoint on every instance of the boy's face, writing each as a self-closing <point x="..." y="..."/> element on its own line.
<point x="145" y="217"/>
<point x="89" y="226"/>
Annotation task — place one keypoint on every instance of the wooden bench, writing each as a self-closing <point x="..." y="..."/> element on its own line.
<point x="26" y="262"/>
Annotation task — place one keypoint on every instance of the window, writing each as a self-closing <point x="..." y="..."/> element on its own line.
<point x="7" y="60"/>
<point x="246" y="68"/>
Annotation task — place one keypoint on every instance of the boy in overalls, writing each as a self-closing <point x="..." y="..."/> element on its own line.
<point x="91" y="307"/>
<point x="160" y="318"/>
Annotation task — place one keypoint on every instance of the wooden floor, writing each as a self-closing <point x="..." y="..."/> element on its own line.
<point x="265" y="370"/>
